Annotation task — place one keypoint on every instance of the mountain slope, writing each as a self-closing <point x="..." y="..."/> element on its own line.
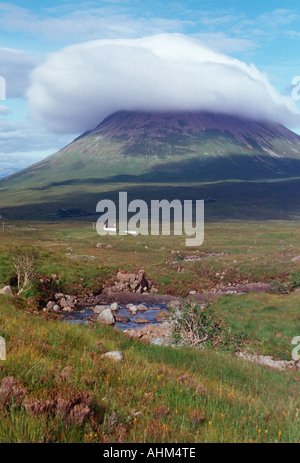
<point x="174" y="146"/>
<point x="159" y="155"/>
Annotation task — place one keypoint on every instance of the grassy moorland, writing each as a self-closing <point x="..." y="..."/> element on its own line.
<point x="158" y="394"/>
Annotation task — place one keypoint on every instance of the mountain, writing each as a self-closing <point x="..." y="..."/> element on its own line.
<point x="171" y="146"/>
<point x="136" y="148"/>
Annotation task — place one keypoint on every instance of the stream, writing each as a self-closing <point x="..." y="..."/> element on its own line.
<point x="85" y="315"/>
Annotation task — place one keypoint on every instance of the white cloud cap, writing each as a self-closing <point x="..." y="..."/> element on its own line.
<point x="75" y="88"/>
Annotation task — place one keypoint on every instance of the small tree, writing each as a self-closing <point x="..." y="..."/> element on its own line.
<point x="24" y="263"/>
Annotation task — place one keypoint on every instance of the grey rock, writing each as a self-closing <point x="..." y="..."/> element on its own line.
<point x="50" y="305"/>
<point x="64" y="303"/>
<point x="7" y="290"/>
<point x="122" y="318"/>
<point x="114" y="307"/>
<point x="158" y="342"/>
<point x="141" y="321"/>
<point x="115" y="355"/>
<point x="142" y="308"/>
<point x="100" y="308"/>
<point x="106" y="317"/>
<point x="132" y="308"/>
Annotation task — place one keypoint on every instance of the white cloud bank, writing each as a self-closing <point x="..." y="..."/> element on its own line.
<point x="15" y="68"/>
<point x="75" y="88"/>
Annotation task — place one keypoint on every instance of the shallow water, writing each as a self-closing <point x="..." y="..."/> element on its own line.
<point x="83" y="316"/>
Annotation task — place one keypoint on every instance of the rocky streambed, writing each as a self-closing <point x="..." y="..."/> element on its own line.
<point x="129" y="303"/>
<point x="129" y="316"/>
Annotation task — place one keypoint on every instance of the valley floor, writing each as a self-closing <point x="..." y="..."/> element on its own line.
<point x="61" y="390"/>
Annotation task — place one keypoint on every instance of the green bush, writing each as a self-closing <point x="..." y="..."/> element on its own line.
<point x="200" y="326"/>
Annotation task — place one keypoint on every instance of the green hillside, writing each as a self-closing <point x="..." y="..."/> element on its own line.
<point x="178" y="155"/>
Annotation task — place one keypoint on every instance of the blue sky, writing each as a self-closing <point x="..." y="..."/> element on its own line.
<point x="266" y="34"/>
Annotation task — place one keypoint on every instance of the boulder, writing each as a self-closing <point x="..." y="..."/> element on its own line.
<point x="100" y="308"/>
<point x="130" y="282"/>
<point x="106" y="317"/>
<point x="142" y="308"/>
<point x="132" y="308"/>
<point x="58" y="296"/>
<point x="141" y="321"/>
<point x="56" y="308"/>
<point x="50" y="305"/>
<point x="114" y="355"/>
<point x="123" y="276"/>
<point x="295" y="259"/>
<point x="114" y="307"/>
<point x="151" y="333"/>
<point x="66" y="303"/>
<point x="122" y="318"/>
<point x="7" y="290"/>
<point x="160" y="342"/>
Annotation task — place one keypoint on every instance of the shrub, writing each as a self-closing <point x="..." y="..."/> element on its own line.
<point x="24" y="263"/>
<point x="200" y="326"/>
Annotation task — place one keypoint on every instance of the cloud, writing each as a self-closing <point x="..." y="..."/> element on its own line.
<point x="17" y="161"/>
<point x="26" y="137"/>
<point x="75" y="88"/>
<point x="66" y="23"/>
<point x="15" y="67"/>
<point x="4" y="111"/>
<point x="221" y="42"/>
<point x="25" y="143"/>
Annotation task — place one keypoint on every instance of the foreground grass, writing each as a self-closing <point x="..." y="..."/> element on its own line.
<point x="158" y="394"/>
